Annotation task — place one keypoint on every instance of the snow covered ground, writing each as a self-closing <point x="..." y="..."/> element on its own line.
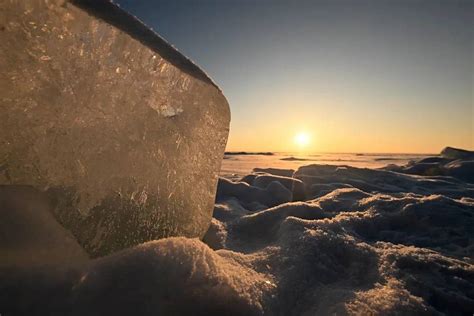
<point x="315" y="240"/>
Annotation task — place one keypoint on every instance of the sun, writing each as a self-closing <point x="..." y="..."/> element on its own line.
<point x="302" y="139"/>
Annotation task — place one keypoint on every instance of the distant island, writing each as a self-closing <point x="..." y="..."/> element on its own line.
<point x="236" y="153"/>
<point x="295" y="159"/>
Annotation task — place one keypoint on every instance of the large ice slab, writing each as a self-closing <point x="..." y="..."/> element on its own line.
<point x="124" y="133"/>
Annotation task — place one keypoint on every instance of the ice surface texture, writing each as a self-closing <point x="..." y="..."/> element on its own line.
<point x="123" y="133"/>
<point x="453" y="162"/>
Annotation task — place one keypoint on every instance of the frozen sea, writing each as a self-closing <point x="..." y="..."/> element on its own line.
<point x="237" y="165"/>
<point x="291" y="234"/>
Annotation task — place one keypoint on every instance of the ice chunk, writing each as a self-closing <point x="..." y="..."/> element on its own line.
<point x="275" y="171"/>
<point x="275" y="193"/>
<point x="456" y="153"/>
<point x="121" y="130"/>
<point x="296" y="186"/>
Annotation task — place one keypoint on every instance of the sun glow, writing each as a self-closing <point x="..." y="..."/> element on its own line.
<point x="302" y="139"/>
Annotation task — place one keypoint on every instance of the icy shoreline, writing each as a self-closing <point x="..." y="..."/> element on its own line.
<point x="320" y="240"/>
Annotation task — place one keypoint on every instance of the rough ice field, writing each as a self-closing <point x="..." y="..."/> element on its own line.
<point x="320" y="240"/>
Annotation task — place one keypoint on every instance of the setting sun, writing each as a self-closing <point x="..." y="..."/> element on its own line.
<point x="302" y="139"/>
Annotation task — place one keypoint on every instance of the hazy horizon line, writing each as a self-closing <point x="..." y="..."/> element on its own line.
<point x="336" y="152"/>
